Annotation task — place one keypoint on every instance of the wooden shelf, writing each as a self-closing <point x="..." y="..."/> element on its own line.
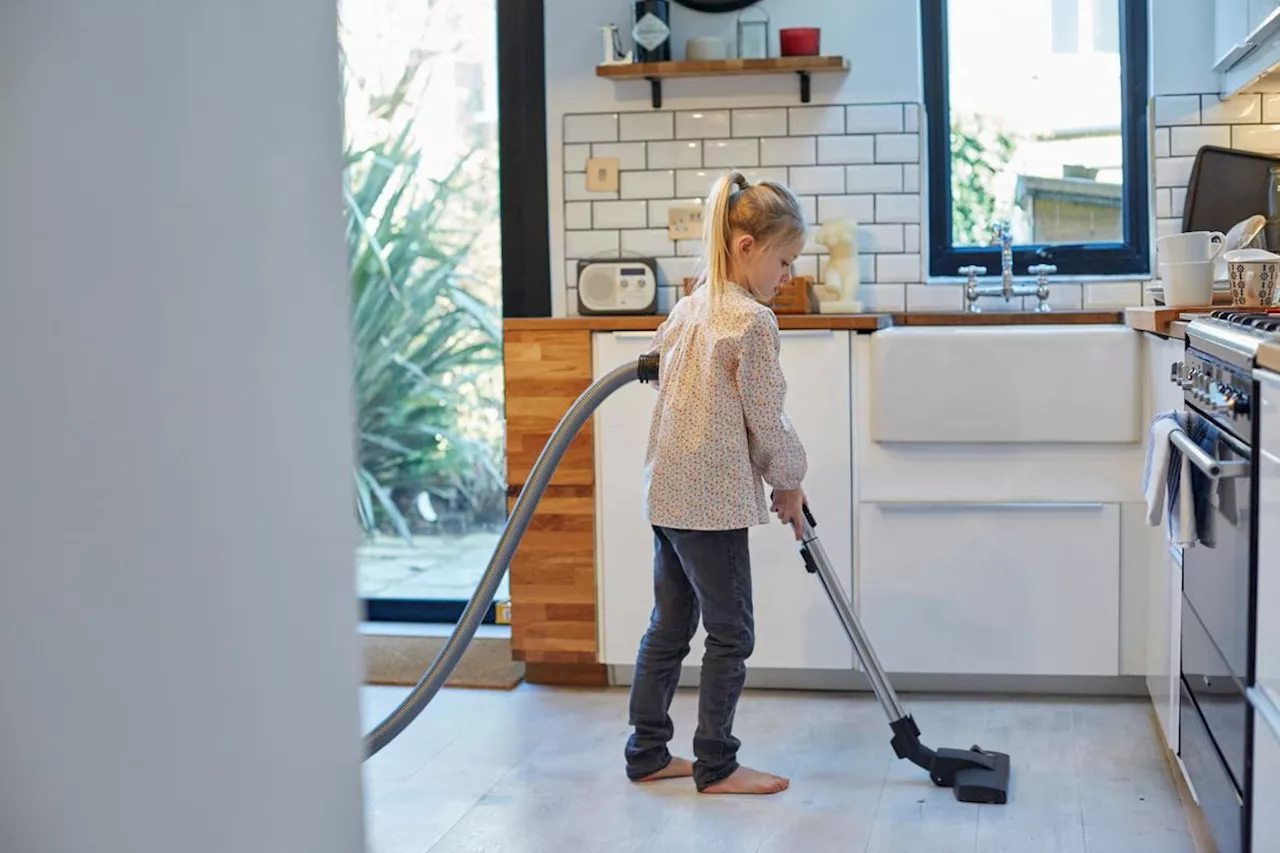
<point x="656" y="72"/>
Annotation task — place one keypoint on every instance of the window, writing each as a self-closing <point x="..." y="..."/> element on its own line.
<point x="1037" y="115"/>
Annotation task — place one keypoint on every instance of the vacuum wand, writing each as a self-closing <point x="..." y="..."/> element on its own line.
<point x="976" y="775"/>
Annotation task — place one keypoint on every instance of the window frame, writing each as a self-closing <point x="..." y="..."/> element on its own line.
<point x="1129" y="258"/>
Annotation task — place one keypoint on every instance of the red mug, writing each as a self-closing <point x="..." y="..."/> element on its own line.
<point x="800" y="41"/>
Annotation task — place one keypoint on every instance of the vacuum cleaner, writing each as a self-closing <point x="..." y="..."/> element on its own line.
<point x="976" y="775"/>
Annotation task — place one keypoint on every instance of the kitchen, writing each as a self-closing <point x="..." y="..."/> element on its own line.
<point x="984" y="461"/>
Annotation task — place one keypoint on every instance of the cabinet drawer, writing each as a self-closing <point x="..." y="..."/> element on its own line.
<point x="1008" y="589"/>
<point x="1266" y="777"/>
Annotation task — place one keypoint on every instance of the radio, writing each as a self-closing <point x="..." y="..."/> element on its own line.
<point x="618" y="286"/>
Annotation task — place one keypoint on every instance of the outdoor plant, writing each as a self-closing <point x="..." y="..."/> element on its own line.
<point x="421" y="341"/>
<point x="979" y="153"/>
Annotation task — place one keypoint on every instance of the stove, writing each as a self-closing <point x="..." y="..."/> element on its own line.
<point x="1219" y="584"/>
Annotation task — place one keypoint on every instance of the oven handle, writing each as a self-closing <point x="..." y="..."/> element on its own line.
<point x="1210" y="467"/>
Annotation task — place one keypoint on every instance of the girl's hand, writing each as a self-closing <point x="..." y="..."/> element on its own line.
<point x="789" y="505"/>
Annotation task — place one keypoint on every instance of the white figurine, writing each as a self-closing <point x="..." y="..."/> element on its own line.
<point x="613" y="54"/>
<point x="840" y="237"/>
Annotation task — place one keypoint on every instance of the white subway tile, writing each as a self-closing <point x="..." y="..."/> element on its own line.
<point x="1063" y="296"/>
<point x="575" y="157"/>
<point x="885" y="178"/>
<point x="1256" y="137"/>
<point x="571" y="302"/>
<point x="620" y="214"/>
<point x="675" y="155"/>
<point x="1164" y="202"/>
<point x="651" y="243"/>
<point x="585" y="244"/>
<point x="1271" y="108"/>
<point x="675" y="270"/>
<point x="591" y="128"/>
<point x="648" y="184"/>
<point x="911" y="234"/>
<point x="866" y="267"/>
<point x="881" y="238"/>
<point x="1178" y="202"/>
<point x="904" y="268"/>
<point x="695" y="183"/>
<point x="898" y="148"/>
<point x="846" y="149"/>
<point x="575" y="189"/>
<point x="703" y="124"/>
<point x="630" y="155"/>
<point x="760" y="122"/>
<point x="1111" y="295"/>
<point x="858" y="208"/>
<point x="690" y="248"/>
<point x="1177" y="109"/>
<point x="934" y="297"/>
<point x="659" y="210"/>
<point x="1165" y="227"/>
<point x="898" y="208"/>
<point x="1173" y="171"/>
<point x="777" y="174"/>
<point x="1238" y="109"/>
<point x="1186" y="141"/>
<point x="911" y="118"/>
<point x="731" y="153"/>
<point x="789" y="151"/>
<point x="882" y="298"/>
<point x="817" y="180"/>
<point x="911" y="177"/>
<point x="809" y="207"/>
<point x="874" y="118"/>
<point x="812" y="246"/>
<point x="1162" y="143"/>
<point x="639" y="127"/>
<point x="577" y="215"/>
<point x="816" y="121"/>
<point x="806" y="265"/>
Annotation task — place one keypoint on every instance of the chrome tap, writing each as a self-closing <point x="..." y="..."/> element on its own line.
<point x="1002" y="236"/>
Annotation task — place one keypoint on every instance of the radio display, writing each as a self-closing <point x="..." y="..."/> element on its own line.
<point x="640" y="271"/>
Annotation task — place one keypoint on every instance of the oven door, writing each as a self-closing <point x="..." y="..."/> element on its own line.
<point x="1217" y="577"/>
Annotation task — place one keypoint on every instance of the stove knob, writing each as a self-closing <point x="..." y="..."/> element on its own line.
<point x="1238" y="405"/>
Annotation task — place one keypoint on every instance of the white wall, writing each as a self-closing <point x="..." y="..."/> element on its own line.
<point x="178" y="648"/>
<point x="880" y="39"/>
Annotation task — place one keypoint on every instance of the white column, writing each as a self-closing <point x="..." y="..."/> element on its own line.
<point x="178" y="653"/>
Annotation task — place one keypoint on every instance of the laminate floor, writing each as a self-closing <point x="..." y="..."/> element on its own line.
<point x="539" y="769"/>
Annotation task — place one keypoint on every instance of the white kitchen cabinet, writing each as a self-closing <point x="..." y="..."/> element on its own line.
<point x="796" y="627"/>
<point x="1230" y="29"/>
<point x="1268" y="599"/>
<point x="1266" y="780"/>
<point x="992" y="589"/>
<point x="1246" y="41"/>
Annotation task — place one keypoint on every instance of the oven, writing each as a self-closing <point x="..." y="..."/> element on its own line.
<point x="1218" y="581"/>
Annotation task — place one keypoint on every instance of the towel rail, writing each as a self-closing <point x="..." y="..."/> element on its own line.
<point x="1210" y="467"/>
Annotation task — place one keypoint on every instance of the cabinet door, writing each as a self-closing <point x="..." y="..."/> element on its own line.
<point x="1266" y="780"/>
<point x="795" y="625"/>
<point x="1267" y="642"/>
<point x="1008" y="589"/>
<point x="1164" y="642"/>
<point x="1231" y="26"/>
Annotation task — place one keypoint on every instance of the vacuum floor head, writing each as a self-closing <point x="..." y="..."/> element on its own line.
<point x="977" y="775"/>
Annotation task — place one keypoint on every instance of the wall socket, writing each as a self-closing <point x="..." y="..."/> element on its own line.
<point x="602" y="174"/>
<point x="685" y="222"/>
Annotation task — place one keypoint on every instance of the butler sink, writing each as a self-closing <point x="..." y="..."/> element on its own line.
<point x="1029" y="384"/>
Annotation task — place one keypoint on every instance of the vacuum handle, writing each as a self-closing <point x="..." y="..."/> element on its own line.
<point x="808" y="516"/>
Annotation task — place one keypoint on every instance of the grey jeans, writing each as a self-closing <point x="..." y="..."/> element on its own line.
<point x="694" y="572"/>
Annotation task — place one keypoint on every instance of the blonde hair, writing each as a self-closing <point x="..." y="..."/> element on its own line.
<point x="766" y="211"/>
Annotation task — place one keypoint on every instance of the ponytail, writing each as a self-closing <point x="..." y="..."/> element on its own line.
<point x="766" y="211"/>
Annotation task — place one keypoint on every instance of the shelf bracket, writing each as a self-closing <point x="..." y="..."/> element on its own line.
<point x="804" y="86"/>
<point x="655" y="89"/>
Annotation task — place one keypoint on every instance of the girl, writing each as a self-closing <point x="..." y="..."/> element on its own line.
<point x="718" y="429"/>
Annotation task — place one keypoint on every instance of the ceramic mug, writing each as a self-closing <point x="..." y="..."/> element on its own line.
<point x="1187" y="284"/>
<point x="1252" y="273"/>
<point x="1191" y="246"/>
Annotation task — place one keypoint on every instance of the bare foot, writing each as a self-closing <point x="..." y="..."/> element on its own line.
<point x="679" y="768"/>
<point x="744" y="780"/>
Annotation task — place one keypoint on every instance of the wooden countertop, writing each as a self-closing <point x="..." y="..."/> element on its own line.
<point x="1269" y="357"/>
<point x="1160" y="320"/>
<point x="848" y="322"/>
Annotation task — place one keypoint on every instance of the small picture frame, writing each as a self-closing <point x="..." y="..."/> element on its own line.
<point x="602" y="174"/>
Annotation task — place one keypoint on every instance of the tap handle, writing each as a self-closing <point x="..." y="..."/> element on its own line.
<point x="973" y="272"/>
<point x="1042" y="270"/>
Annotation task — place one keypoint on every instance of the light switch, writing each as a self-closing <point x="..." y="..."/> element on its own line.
<point x="602" y="174"/>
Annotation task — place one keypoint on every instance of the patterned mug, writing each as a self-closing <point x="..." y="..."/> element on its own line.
<point x="1253" y="274"/>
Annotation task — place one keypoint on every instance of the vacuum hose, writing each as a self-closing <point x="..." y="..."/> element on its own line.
<point x="645" y="369"/>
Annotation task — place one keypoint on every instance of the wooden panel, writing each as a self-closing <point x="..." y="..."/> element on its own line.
<point x="546" y="371"/>
<point x="1009" y="318"/>
<point x="567" y="674"/>
<point x="1157" y="319"/>
<point x="553" y="581"/>
<point x="650" y="322"/>
<point x="723" y="67"/>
